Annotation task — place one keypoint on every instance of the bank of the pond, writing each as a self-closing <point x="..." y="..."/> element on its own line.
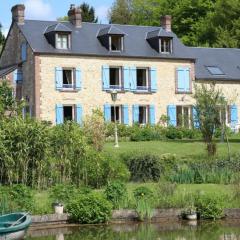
<point x="128" y="215"/>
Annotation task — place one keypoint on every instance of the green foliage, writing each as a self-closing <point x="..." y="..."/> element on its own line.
<point x="88" y="14"/>
<point x="116" y="192"/>
<point x="16" y="198"/>
<point x="209" y="101"/>
<point x="210" y="207"/>
<point x="89" y="209"/>
<point x="62" y="193"/>
<point x="2" y="38"/>
<point x="144" y="199"/>
<point x="101" y="168"/>
<point x="144" y="167"/>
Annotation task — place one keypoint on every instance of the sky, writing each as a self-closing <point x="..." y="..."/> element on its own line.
<point x="49" y="9"/>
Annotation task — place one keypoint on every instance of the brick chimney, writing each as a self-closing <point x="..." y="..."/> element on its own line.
<point x="18" y="13"/>
<point x="166" y="23"/>
<point x="75" y="15"/>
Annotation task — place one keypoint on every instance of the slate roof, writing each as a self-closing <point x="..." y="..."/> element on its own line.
<point x="58" y="27"/>
<point x="85" y="42"/>
<point x="227" y="59"/>
<point x="6" y="70"/>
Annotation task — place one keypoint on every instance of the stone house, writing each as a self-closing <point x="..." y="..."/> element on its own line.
<point x="64" y="70"/>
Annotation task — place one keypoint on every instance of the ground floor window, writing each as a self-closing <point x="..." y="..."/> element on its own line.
<point x="225" y="115"/>
<point x="116" y="111"/>
<point x="68" y="113"/>
<point x="143" y="115"/>
<point x="184" y="116"/>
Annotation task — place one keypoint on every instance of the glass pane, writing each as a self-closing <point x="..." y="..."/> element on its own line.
<point x="214" y="70"/>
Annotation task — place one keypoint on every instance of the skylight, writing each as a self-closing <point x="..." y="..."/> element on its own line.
<point x="214" y="70"/>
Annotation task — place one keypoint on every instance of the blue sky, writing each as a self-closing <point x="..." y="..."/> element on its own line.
<point x="49" y="9"/>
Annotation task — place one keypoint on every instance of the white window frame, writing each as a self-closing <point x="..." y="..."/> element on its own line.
<point x="73" y="79"/>
<point x="118" y="87"/>
<point x="164" y="40"/>
<point x="73" y="111"/>
<point x="120" y="113"/>
<point x="57" y="36"/>
<point x="147" y="115"/>
<point x="147" y="79"/>
<point x="182" y="115"/>
<point x="110" y="43"/>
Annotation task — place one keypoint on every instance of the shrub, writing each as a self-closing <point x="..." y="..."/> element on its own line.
<point x="209" y="206"/>
<point x="101" y="168"/>
<point x="62" y="193"/>
<point x="89" y="209"/>
<point x="21" y="198"/>
<point x="174" y="133"/>
<point x="144" y="167"/>
<point x="144" y="199"/>
<point x="116" y="192"/>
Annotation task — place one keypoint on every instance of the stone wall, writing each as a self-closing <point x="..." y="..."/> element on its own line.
<point x="92" y="96"/>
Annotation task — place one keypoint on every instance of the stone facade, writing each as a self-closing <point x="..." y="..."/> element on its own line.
<point x="92" y="95"/>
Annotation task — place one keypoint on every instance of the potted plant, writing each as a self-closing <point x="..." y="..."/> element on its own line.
<point x="58" y="207"/>
<point x="190" y="213"/>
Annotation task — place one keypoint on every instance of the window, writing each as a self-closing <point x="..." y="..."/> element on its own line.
<point x="214" y="70"/>
<point x="143" y="115"/>
<point x="62" y="41"/>
<point x="115" y="77"/>
<point x="165" y="45"/>
<point x="184" y="116"/>
<point x="142" y="79"/>
<point x="115" y="43"/>
<point x="225" y="115"/>
<point x="68" y="113"/>
<point x="117" y="112"/>
<point x="68" y="78"/>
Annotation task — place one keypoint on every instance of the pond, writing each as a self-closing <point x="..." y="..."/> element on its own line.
<point x="157" y="231"/>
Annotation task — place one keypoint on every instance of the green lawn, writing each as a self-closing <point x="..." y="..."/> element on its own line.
<point x="182" y="148"/>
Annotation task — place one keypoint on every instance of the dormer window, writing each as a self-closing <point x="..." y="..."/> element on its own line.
<point x="62" y="41"/>
<point x="115" y="43"/>
<point x="165" y="45"/>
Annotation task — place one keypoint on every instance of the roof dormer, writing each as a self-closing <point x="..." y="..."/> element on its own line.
<point x="59" y="36"/>
<point x="112" y="38"/>
<point x="161" y="41"/>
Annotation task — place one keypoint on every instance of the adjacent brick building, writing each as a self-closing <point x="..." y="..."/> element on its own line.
<point x="64" y="70"/>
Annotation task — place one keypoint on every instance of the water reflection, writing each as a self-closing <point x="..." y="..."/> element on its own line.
<point x="160" y="231"/>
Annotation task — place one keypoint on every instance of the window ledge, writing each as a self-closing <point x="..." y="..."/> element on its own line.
<point x="179" y="92"/>
<point x="114" y="89"/>
<point x="68" y="90"/>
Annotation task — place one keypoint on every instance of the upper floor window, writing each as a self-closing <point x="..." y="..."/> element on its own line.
<point x="115" y="77"/>
<point x="183" y="80"/>
<point x="62" y="41"/>
<point x="68" y="79"/>
<point x="24" y="51"/>
<point x="116" y="43"/>
<point x="165" y="45"/>
<point x="142" y="79"/>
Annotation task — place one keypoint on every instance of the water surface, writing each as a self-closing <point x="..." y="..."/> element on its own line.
<point x="158" y="231"/>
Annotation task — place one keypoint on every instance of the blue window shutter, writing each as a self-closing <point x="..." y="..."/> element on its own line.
<point x="24" y="51"/>
<point x="79" y="113"/>
<point x="234" y="116"/>
<point x="105" y="77"/>
<point x="152" y="114"/>
<point x="181" y="80"/>
<point x="17" y="75"/>
<point x="172" y="114"/>
<point x="59" y="77"/>
<point x="107" y="113"/>
<point x="196" y="123"/>
<point x="126" y="77"/>
<point x="78" y="78"/>
<point x="187" y="80"/>
<point x="135" y="113"/>
<point x="125" y="114"/>
<point x="59" y="114"/>
<point x="153" y="73"/>
<point x="133" y="78"/>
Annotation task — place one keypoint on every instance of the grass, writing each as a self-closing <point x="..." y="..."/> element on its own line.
<point x="182" y="148"/>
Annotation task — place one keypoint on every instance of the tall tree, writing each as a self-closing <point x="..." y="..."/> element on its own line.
<point x="88" y="14"/>
<point x="120" y="12"/>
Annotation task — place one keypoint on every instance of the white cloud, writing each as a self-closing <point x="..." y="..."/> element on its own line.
<point x="101" y="13"/>
<point x="5" y="31"/>
<point x="38" y="9"/>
